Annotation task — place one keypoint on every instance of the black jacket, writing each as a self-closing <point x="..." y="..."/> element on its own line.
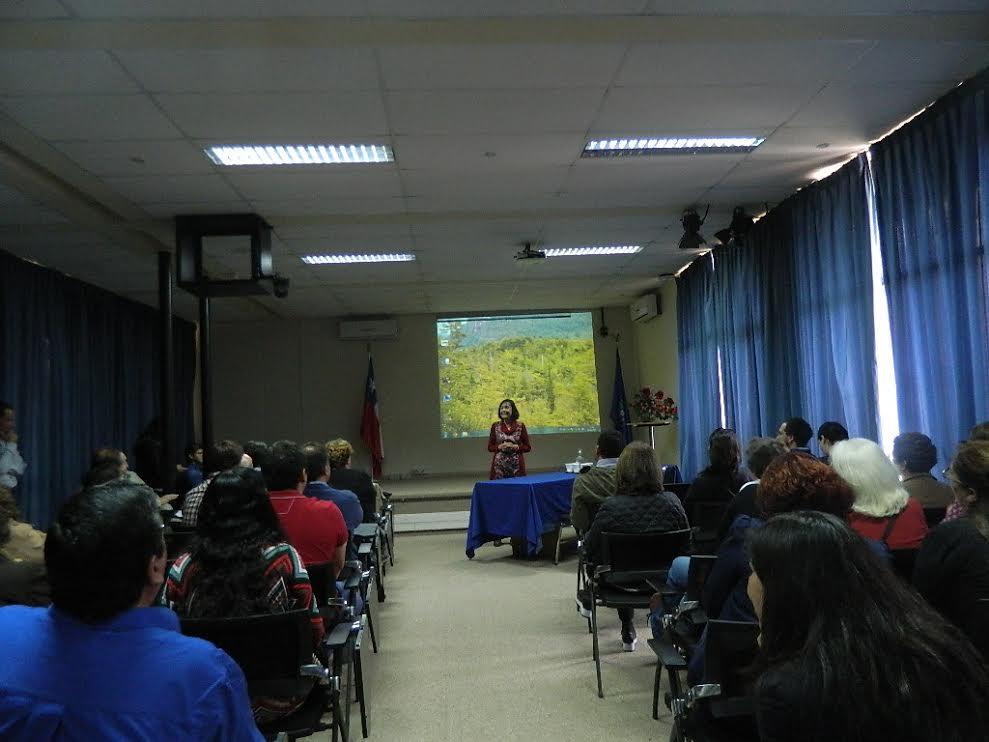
<point x="743" y="504"/>
<point x="713" y="486"/>
<point x="632" y="514"/>
<point x="952" y="572"/>
<point x="360" y="484"/>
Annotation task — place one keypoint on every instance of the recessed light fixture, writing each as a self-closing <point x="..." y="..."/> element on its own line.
<point x="300" y="154"/>
<point x="629" y="147"/>
<point x="566" y="252"/>
<point x="341" y="259"/>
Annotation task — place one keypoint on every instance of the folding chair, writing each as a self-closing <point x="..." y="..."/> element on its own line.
<point x="564" y="526"/>
<point x="634" y="566"/>
<point x="683" y="628"/>
<point x="671" y="474"/>
<point x="367" y="538"/>
<point x="338" y="611"/>
<point x="275" y="652"/>
<point x="723" y="707"/>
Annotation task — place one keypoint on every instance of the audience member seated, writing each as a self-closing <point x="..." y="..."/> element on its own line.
<point x="795" y="433"/>
<point x="22" y="569"/>
<point x="191" y="474"/>
<point x="793" y="481"/>
<point x="102" y="663"/>
<point x="914" y="454"/>
<point x="344" y="478"/>
<point x="315" y="528"/>
<point x="318" y="474"/>
<point x="258" y="451"/>
<point x="758" y="454"/>
<point x="722" y="479"/>
<point x="828" y="434"/>
<point x="639" y="505"/>
<point x="219" y="457"/>
<point x="952" y="569"/>
<point x="23" y="542"/>
<point x="597" y="484"/>
<point x="847" y="652"/>
<point x="12" y="464"/>
<point x="109" y="465"/>
<point x="883" y="511"/>
<point x="242" y="565"/>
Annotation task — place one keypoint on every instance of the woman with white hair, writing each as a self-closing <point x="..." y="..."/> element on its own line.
<point x="883" y="511"/>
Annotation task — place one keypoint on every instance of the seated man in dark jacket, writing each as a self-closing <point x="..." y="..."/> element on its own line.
<point x="597" y="484"/>
<point x="639" y="505"/>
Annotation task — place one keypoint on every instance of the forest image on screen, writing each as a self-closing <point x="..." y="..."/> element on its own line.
<point x="544" y="362"/>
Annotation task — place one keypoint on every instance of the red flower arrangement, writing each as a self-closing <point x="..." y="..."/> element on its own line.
<point x="649" y="405"/>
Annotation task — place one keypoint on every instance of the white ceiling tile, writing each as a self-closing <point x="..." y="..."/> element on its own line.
<point x="47" y="72"/>
<point x="731" y="109"/>
<point x="802" y="141"/>
<point x="273" y="209"/>
<point x="493" y="111"/>
<point x="317" y="182"/>
<point x="169" y="210"/>
<point x="349" y="243"/>
<point x="28" y="213"/>
<point x="499" y="66"/>
<point x="754" y="198"/>
<point x="470" y="152"/>
<point x="738" y="63"/>
<point x="484" y="8"/>
<point x="336" y="117"/>
<point x="159" y="189"/>
<point x="32" y="9"/>
<point x="289" y="230"/>
<point x="658" y="173"/>
<point x="467" y="184"/>
<point x="252" y="70"/>
<point x="372" y="274"/>
<point x="918" y="61"/>
<point x="140" y="157"/>
<point x="777" y="172"/>
<point x="866" y="110"/>
<point x="214" y="8"/>
<point x="90" y="117"/>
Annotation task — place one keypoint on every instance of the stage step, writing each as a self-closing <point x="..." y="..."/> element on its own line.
<point x="441" y="521"/>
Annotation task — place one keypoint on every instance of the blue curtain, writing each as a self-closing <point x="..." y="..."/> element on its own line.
<point x="792" y="313"/>
<point x="81" y="368"/>
<point x="932" y="208"/>
<point x="699" y="405"/>
<point x="832" y="297"/>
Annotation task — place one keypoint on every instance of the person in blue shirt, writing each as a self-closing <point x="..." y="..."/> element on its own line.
<point x="318" y="475"/>
<point x="100" y="662"/>
<point x="192" y="475"/>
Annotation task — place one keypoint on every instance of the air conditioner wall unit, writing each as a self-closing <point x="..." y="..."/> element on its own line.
<point x="644" y="308"/>
<point x="369" y="329"/>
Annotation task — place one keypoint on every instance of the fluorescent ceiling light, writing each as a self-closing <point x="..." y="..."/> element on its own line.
<point x="300" y="154"/>
<point x="565" y="252"/>
<point x="358" y="258"/>
<point x="628" y="147"/>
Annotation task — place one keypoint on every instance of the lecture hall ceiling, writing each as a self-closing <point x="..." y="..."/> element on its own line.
<point x="106" y="106"/>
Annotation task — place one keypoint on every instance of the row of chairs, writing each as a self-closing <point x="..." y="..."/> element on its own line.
<point x="275" y="650"/>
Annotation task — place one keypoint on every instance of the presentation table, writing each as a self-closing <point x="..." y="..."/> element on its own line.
<point x="520" y="507"/>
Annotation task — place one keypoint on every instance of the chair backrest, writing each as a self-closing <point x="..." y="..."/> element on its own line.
<point x="933" y="516"/>
<point x="729" y="651"/>
<point x="903" y="562"/>
<point x="269" y="648"/>
<point x="679" y="489"/>
<point x="324" y="586"/>
<point x="671" y="474"/>
<point x="178" y="541"/>
<point x="697" y="574"/>
<point x="706" y="514"/>
<point x="651" y="550"/>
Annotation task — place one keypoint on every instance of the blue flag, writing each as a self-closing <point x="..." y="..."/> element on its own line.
<point x="619" y="404"/>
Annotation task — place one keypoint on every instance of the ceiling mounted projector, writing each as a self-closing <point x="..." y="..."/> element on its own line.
<point x="692" y="238"/>
<point x="527" y="253"/>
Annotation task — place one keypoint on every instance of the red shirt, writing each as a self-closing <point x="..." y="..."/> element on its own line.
<point x="908" y="532"/>
<point x="315" y="528"/>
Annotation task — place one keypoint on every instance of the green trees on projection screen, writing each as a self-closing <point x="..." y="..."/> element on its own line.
<point x="551" y="379"/>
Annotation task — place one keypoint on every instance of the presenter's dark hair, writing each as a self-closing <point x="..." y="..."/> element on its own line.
<point x="832" y="432"/>
<point x="110" y="534"/>
<point x="284" y="466"/>
<point x="915" y="451"/>
<point x="799" y="429"/>
<point x="515" y="410"/>
<point x="225" y="454"/>
<point x="869" y="657"/>
<point x="317" y="460"/>
<point x="723" y="451"/>
<point x="610" y="444"/>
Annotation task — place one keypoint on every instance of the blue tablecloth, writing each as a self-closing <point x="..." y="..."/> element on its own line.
<point x="522" y="507"/>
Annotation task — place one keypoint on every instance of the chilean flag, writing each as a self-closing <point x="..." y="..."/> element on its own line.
<point x="370" y="423"/>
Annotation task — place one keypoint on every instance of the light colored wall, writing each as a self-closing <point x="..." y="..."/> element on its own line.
<point x="658" y="367"/>
<point x="295" y="379"/>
